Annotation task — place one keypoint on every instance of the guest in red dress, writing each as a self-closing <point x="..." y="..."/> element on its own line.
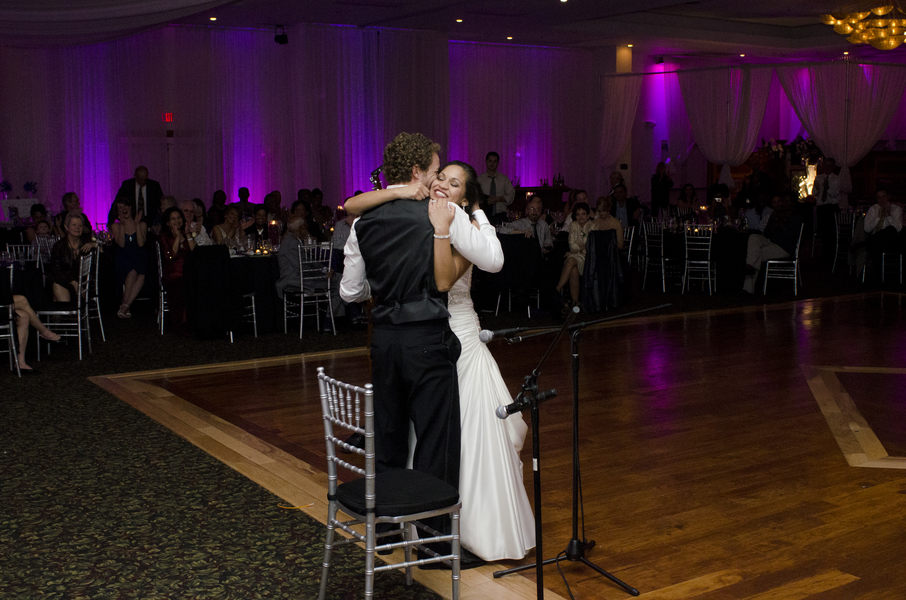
<point x="175" y="246"/>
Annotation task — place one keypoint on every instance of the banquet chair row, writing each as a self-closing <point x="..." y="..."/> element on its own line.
<point x="315" y="287"/>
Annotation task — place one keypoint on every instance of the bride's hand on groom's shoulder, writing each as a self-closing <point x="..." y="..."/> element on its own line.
<point x="441" y="214"/>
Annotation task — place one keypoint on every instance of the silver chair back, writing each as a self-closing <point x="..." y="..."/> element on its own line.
<point x="349" y="409"/>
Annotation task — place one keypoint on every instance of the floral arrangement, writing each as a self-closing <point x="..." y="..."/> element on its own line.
<point x="6" y="186"/>
<point x="31" y="186"/>
<point x="773" y="148"/>
<point x="807" y="149"/>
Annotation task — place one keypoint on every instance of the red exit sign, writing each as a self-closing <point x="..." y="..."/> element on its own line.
<point x="168" y="117"/>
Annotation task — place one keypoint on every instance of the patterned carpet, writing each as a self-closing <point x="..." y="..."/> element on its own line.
<point x="99" y="501"/>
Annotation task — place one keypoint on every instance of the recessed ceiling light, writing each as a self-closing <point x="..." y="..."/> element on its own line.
<point x="629" y="45"/>
<point x="742" y="55"/>
<point x="562" y="0"/>
<point x="509" y="37"/>
<point x="846" y="54"/>
<point x="459" y="20"/>
<point x="213" y="18"/>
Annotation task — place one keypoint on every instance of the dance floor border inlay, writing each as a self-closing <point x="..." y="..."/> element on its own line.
<point x="854" y="435"/>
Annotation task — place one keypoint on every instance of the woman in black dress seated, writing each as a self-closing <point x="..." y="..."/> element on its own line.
<point x="175" y="246"/>
<point x="129" y="232"/>
<point x="65" y="258"/>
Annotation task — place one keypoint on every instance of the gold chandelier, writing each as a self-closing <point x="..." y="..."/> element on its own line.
<point x="883" y="26"/>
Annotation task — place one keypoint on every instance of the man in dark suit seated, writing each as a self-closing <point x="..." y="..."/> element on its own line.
<point x="628" y="211"/>
<point x="143" y="193"/>
<point x="259" y="227"/>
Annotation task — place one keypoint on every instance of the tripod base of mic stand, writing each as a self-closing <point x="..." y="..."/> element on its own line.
<point x="575" y="551"/>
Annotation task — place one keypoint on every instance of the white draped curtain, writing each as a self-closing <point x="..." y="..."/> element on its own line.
<point x="616" y="115"/>
<point x="844" y="106"/>
<point x="725" y="107"/>
<point x="680" y="139"/>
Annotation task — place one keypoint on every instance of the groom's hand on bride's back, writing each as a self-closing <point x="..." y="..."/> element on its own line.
<point x="417" y="191"/>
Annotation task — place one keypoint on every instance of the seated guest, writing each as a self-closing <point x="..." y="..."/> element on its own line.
<point x="338" y="241"/>
<point x="532" y="225"/>
<point x="288" y="259"/>
<point x="258" y="229"/>
<point x="883" y="222"/>
<point x="661" y="184"/>
<point x="129" y="233"/>
<point x="719" y="205"/>
<point x="42" y="230"/>
<point x="175" y="246"/>
<point x="310" y="227"/>
<point x="757" y="217"/>
<point x="218" y="210"/>
<point x="779" y="240"/>
<point x="65" y="258"/>
<point x="321" y="214"/>
<point x="38" y="214"/>
<point x="230" y="231"/>
<point x="275" y="210"/>
<point x="616" y="178"/>
<point x="575" y="258"/>
<point x="71" y="204"/>
<point x="246" y="208"/>
<point x="194" y="227"/>
<point x="628" y="211"/>
<point x="157" y="221"/>
<point x="201" y="214"/>
<point x="687" y="198"/>
<point x="575" y="197"/>
<point x="605" y="220"/>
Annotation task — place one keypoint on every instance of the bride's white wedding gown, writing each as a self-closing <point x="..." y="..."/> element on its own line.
<point x="497" y="519"/>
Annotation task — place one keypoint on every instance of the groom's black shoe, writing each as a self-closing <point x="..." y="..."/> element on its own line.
<point x="467" y="560"/>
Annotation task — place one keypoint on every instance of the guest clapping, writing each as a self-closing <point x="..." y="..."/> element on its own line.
<point x="194" y="226"/>
<point x="129" y="233"/>
<point x="65" y="257"/>
<point x="230" y="231"/>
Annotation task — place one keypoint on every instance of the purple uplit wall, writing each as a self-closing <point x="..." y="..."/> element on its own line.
<point x="531" y="105"/>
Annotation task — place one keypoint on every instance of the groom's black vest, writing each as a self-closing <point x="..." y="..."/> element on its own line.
<point x="397" y="243"/>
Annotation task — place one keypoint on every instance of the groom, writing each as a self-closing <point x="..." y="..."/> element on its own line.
<point x="389" y="255"/>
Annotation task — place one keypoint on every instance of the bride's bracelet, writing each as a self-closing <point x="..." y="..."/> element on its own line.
<point x="441" y="237"/>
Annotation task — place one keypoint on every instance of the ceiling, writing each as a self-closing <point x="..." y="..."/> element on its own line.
<point x="774" y="29"/>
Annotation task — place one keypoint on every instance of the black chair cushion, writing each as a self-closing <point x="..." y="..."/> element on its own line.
<point x="400" y="492"/>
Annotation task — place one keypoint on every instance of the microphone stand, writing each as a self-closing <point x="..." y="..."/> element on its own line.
<point x="575" y="549"/>
<point x="530" y="392"/>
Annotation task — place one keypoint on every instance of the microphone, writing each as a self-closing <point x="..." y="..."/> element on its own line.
<point x="486" y="335"/>
<point x="522" y="402"/>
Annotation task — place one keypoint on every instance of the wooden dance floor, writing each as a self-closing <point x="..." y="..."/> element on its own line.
<point x="750" y="453"/>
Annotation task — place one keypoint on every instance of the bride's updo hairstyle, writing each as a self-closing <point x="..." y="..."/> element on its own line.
<point x="473" y="189"/>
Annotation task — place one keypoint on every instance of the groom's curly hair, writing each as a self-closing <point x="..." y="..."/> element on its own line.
<point x="406" y="150"/>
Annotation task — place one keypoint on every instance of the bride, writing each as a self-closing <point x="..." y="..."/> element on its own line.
<point x="496" y="521"/>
